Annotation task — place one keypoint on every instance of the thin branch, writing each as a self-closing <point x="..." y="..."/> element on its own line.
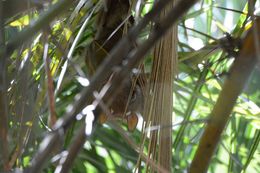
<point x="230" y="9"/>
<point x="66" y="164"/>
<point x="52" y="117"/>
<point x="51" y="144"/>
<point x="199" y="32"/>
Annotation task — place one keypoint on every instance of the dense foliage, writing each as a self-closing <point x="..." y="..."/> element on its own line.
<point x="44" y="71"/>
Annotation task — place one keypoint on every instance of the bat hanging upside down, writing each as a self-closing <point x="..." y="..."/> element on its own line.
<point x="110" y="26"/>
<point x="127" y="105"/>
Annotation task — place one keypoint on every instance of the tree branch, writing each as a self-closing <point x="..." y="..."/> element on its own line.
<point x="3" y="97"/>
<point x="73" y="151"/>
